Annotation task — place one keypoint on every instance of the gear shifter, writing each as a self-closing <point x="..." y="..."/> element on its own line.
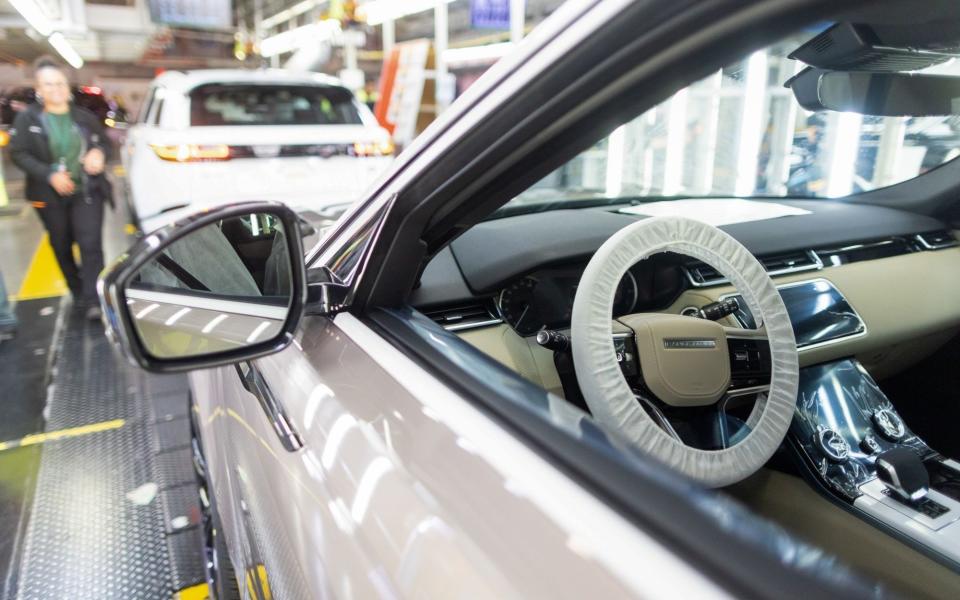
<point x="903" y="473"/>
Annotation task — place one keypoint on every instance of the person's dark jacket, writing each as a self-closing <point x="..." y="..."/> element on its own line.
<point x="30" y="150"/>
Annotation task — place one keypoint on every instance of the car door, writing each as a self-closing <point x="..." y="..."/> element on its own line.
<point x="399" y="489"/>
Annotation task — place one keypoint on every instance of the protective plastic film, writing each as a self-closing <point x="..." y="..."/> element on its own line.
<point x="603" y="385"/>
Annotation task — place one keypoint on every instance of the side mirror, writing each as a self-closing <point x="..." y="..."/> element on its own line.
<point x="877" y="94"/>
<point x="214" y="289"/>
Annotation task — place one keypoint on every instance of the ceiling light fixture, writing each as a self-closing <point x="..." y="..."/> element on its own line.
<point x="289" y="41"/>
<point x="63" y="47"/>
<point x="33" y="15"/>
<point x="285" y="15"/>
<point x="380" y="11"/>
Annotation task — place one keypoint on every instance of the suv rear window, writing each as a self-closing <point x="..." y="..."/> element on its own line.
<point x="257" y="104"/>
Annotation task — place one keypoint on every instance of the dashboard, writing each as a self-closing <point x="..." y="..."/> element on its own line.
<point x="544" y="298"/>
<point x="887" y="279"/>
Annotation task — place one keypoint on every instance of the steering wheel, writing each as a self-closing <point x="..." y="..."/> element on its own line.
<point x="684" y="361"/>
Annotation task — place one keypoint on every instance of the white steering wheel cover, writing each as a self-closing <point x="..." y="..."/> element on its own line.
<point x="603" y="385"/>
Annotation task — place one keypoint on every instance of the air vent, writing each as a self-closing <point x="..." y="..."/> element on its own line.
<point x="805" y="260"/>
<point x="936" y="240"/>
<point x="703" y="275"/>
<point x="467" y="316"/>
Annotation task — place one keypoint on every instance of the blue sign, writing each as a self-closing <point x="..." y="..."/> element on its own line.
<point x="490" y="14"/>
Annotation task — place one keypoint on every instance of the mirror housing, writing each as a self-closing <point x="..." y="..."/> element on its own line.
<point x="129" y="331"/>
<point x="877" y="94"/>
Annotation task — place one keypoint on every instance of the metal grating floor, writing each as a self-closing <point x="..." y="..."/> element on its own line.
<point x="87" y="538"/>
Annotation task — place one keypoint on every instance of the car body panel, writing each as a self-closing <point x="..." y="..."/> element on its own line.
<point x="403" y="489"/>
<point x="157" y="186"/>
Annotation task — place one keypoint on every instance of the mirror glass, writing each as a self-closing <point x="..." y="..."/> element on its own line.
<point x="222" y="287"/>
<point x="878" y="94"/>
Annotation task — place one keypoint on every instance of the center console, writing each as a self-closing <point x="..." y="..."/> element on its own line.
<point x="856" y="447"/>
<point x="851" y="441"/>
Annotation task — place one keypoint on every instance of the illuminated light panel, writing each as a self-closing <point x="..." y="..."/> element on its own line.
<point x="285" y="15"/>
<point x="34" y="16"/>
<point x="380" y="11"/>
<point x="288" y="41"/>
<point x="63" y="47"/>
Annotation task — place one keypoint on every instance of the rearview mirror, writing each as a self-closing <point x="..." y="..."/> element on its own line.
<point x="214" y="289"/>
<point x="877" y="94"/>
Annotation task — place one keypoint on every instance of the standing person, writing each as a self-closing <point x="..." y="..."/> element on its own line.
<point x="62" y="149"/>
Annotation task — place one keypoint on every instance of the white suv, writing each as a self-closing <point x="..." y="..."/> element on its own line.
<point x="210" y="137"/>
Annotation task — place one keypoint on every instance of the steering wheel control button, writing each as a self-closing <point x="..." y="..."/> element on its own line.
<point x="870" y="445"/>
<point x="889" y="424"/>
<point x="832" y="444"/>
<point x="626" y="354"/>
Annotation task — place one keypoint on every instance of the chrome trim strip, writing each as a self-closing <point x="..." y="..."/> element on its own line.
<point x="472" y="324"/>
<point x="864" y="246"/>
<point x="737" y="392"/>
<point x="816" y="266"/>
<point x="253" y="381"/>
<point x="928" y="246"/>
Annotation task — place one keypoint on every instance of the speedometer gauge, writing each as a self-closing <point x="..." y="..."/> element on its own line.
<point x="516" y="306"/>
<point x="625" y="299"/>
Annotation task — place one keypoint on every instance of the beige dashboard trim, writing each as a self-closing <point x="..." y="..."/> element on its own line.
<point x="910" y="305"/>
<point x="899" y="299"/>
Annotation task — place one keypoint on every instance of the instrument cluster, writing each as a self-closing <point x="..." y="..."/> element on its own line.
<point x="544" y="300"/>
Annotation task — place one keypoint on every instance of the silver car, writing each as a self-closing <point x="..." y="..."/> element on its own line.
<point x="570" y="347"/>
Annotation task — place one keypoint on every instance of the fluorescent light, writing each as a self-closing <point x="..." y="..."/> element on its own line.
<point x="844" y="159"/>
<point x="294" y="39"/>
<point x="34" y="15"/>
<point x="379" y="11"/>
<point x="751" y="123"/>
<point x="63" y="47"/>
<point x="289" y="13"/>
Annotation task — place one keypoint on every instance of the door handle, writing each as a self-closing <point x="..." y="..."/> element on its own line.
<point x="254" y="383"/>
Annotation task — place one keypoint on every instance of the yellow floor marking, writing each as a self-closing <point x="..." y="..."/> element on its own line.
<point x="129" y="229"/>
<point x="50" y="436"/>
<point x="194" y="592"/>
<point x="43" y="278"/>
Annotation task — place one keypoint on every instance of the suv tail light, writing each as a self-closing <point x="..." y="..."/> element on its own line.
<point x="384" y="148"/>
<point x="192" y="152"/>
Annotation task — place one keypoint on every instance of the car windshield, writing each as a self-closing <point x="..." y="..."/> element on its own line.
<point x="740" y="133"/>
<point x="258" y="104"/>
